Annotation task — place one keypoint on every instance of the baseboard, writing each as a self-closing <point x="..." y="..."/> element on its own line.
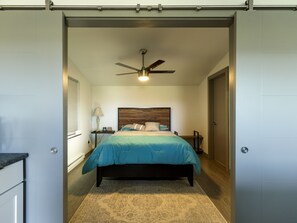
<point x="89" y="153"/>
<point x="77" y="160"/>
<point x="205" y="154"/>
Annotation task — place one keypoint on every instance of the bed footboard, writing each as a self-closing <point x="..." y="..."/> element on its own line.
<point x="145" y="171"/>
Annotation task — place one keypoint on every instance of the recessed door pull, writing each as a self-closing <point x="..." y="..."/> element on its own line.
<point x="244" y="149"/>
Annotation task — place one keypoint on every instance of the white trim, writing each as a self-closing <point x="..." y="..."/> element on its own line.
<point x="75" y="161"/>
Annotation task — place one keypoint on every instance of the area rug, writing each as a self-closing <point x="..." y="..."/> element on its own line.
<point x="141" y="201"/>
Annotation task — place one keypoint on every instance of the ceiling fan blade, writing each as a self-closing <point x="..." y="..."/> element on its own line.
<point x="162" y="71"/>
<point x="155" y="64"/>
<point x="127" y="73"/>
<point x="127" y="66"/>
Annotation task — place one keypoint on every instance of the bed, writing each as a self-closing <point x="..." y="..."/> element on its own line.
<point x="133" y="152"/>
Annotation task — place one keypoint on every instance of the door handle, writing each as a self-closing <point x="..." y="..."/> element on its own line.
<point x="214" y="123"/>
<point x="244" y="149"/>
<point x="54" y="150"/>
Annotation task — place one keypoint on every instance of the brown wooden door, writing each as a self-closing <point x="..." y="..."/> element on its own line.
<point x="219" y="125"/>
<point x="219" y="119"/>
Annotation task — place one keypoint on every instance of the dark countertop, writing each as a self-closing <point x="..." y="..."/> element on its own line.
<point x="10" y="158"/>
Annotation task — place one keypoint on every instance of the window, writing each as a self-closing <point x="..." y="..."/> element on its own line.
<point x="73" y="106"/>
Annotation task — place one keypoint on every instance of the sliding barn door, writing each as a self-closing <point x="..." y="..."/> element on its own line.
<point x="32" y="112"/>
<point x="266" y="117"/>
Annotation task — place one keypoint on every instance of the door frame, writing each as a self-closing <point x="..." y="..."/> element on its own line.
<point x="222" y="73"/>
<point x="176" y="21"/>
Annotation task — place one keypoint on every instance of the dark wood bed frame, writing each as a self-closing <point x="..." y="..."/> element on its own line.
<point x="140" y="116"/>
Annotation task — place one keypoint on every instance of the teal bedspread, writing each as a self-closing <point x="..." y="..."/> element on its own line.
<point x="142" y="150"/>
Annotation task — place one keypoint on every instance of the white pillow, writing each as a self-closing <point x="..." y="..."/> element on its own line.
<point x="152" y="126"/>
<point x="138" y="127"/>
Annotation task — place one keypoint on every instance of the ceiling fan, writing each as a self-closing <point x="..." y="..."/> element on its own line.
<point x="143" y="73"/>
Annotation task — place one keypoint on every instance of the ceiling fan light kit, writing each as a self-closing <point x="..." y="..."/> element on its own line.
<point x="143" y="73"/>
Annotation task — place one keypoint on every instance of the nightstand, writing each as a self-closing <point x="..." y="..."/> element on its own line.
<point x="100" y="132"/>
<point x="195" y="140"/>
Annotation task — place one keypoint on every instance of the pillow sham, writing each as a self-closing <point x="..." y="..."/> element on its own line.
<point x="128" y="127"/>
<point x="164" y="128"/>
<point x="138" y="127"/>
<point x="152" y="126"/>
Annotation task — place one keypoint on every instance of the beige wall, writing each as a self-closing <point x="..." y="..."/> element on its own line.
<point x="182" y="100"/>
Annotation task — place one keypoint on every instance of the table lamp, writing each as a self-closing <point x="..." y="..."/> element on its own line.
<point x="98" y="112"/>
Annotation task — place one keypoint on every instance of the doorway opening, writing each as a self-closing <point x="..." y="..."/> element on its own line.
<point x="193" y="23"/>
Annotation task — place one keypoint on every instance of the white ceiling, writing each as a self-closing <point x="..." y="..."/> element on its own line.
<point x="191" y="52"/>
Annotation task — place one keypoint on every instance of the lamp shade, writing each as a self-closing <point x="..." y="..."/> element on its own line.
<point x="98" y="112"/>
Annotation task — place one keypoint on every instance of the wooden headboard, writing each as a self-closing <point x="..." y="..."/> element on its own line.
<point x="142" y="115"/>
